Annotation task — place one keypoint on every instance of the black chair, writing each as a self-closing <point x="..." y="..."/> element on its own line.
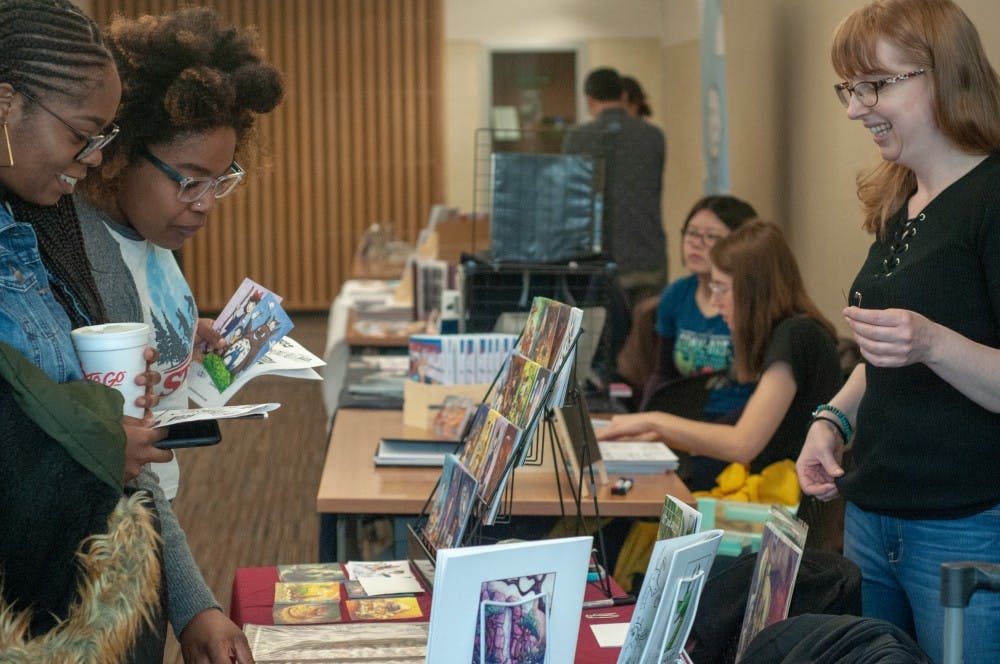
<point x="685" y="397"/>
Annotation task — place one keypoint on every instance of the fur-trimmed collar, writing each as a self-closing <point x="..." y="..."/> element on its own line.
<point x="119" y="592"/>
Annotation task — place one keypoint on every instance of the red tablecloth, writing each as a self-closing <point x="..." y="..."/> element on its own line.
<point x="253" y="598"/>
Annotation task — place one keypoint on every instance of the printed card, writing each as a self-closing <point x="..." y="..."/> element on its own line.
<point x="305" y="613"/>
<point x="317" y="572"/>
<point x="394" y="608"/>
<point x="291" y="593"/>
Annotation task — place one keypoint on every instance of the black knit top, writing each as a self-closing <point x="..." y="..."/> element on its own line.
<point x="922" y="449"/>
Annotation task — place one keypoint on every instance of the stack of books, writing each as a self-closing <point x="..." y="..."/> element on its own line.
<point x="636" y="457"/>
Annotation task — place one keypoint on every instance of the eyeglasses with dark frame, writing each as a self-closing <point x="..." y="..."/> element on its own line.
<point x="867" y="91"/>
<point x="707" y="239"/>
<point x="92" y="143"/>
<point x="191" y="189"/>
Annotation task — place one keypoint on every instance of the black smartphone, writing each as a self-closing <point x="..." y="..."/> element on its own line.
<point x="190" y="434"/>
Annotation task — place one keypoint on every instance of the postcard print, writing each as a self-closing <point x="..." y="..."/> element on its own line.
<point x="477" y="441"/>
<point x="305" y="613"/>
<point x="548" y="340"/>
<point x="310" y="572"/>
<point x="384" y="568"/>
<point x="386" y="608"/>
<point x="450" y="420"/>
<point x="771" y="585"/>
<point x="285" y="593"/>
<point x="514" y="396"/>
<point x="503" y="438"/>
<point x="381" y="642"/>
<point x="677" y="519"/>
<point x="453" y="502"/>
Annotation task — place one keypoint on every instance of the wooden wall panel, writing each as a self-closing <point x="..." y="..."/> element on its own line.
<point x="357" y="140"/>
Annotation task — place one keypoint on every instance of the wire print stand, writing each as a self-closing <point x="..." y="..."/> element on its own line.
<point x="529" y="451"/>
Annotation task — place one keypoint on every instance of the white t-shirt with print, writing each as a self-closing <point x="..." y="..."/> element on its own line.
<point x="169" y="308"/>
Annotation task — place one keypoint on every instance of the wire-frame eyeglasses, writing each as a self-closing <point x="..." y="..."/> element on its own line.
<point x="91" y="143"/>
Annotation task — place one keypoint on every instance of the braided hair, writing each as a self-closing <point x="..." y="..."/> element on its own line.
<point x="182" y="73"/>
<point x="51" y="47"/>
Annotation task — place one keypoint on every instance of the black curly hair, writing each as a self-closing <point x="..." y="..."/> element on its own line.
<point x="182" y="73"/>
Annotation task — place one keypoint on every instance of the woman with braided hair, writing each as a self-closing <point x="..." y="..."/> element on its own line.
<point x="70" y="527"/>
<point x="70" y="530"/>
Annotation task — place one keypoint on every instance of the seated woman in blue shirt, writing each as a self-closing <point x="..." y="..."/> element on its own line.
<point x="693" y="337"/>
<point x="781" y="342"/>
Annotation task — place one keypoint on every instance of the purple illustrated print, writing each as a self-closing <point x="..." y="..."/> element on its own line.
<point x="513" y="620"/>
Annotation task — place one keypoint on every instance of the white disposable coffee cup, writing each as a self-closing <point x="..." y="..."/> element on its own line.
<point x="114" y="354"/>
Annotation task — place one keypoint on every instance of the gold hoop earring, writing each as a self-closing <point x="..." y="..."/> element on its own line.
<point x="6" y="141"/>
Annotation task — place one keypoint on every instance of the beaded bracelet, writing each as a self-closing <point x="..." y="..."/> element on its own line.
<point x="831" y="422"/>
<point x="845" y="424"/>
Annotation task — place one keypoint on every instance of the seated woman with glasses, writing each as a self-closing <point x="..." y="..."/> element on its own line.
<point x="693" y="337"/>
<point x="780" y="341"/>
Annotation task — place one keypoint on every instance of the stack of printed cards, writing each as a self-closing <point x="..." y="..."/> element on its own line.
<point x="382" y="590"/>
<point x="307" y="594"/>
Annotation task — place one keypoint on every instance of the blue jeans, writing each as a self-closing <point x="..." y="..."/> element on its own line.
<point x="900" y="561"/>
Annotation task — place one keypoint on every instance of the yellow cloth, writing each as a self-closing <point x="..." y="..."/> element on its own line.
<point x="636" y="552"/>
<point x="777" y="483"/>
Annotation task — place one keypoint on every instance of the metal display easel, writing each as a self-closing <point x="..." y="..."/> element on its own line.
<point x="530" y="451"/>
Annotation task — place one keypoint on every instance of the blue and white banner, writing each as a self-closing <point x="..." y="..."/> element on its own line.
<point x="714" y="113"/>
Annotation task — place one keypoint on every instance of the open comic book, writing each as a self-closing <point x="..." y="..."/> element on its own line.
<point x="286" y="358"/>
<point x="255" y="328"/>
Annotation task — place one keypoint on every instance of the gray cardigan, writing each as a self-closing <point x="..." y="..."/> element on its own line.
<point x="187" y="592"/>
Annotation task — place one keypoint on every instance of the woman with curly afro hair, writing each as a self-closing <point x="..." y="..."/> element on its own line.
<point x="192" y="88"/>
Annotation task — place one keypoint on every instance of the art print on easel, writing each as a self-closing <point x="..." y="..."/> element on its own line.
<point x="498" y="437"/>
<point x="452" y="505"/>
<point x="513" y="620"/>
<point x="772" y="583"/>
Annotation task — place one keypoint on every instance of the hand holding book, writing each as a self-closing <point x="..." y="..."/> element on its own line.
<point x="253" y="327"/>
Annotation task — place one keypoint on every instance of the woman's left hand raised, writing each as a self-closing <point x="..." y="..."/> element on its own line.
<point x="891" y="337"/>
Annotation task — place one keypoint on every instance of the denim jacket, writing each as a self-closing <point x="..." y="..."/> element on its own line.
<point x="30" y="318"/>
